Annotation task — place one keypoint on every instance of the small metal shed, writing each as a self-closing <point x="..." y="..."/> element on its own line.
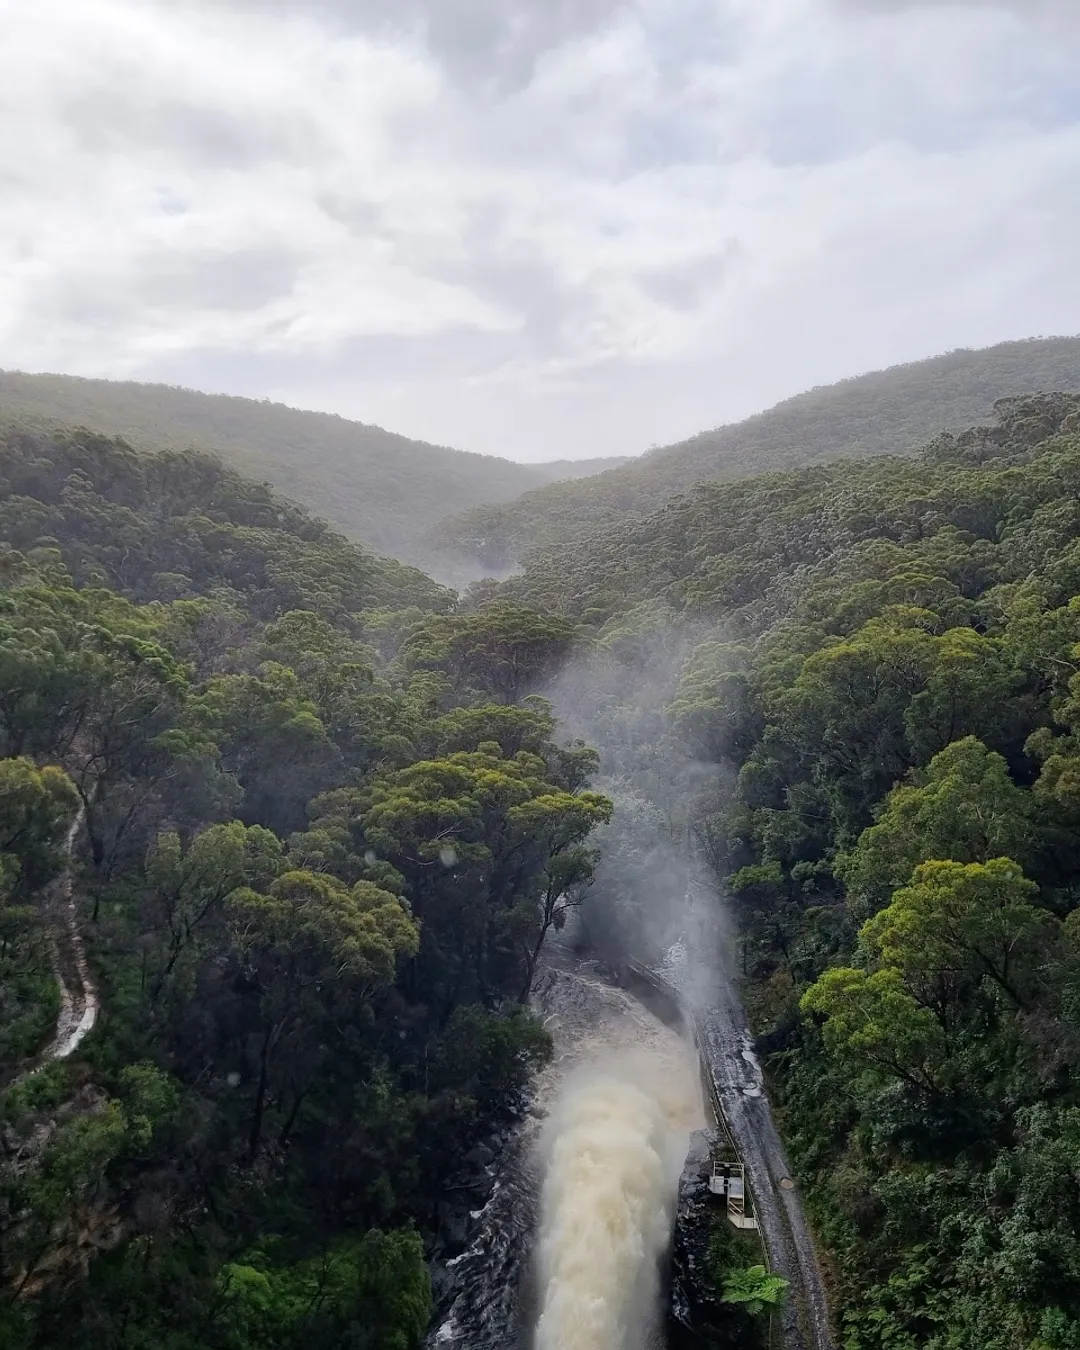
<point x="729" y="1180"/>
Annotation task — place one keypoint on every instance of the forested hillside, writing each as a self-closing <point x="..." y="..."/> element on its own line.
<point x="881" y="662"/>
<point x="385" y="490"/>
<point x="313" y="841"/>
<point x="889" y="412"/>
<point x="315" y="827"/>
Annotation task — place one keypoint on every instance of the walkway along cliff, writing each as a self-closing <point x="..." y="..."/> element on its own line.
<point x="735" y="1089"/>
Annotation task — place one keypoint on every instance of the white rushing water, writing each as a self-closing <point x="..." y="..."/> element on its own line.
<point x="565" y="1255"/>
<point x="613" y="1149"/>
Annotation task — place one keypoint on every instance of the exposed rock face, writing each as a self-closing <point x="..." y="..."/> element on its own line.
<point x="62" y="1250"/>
<point x="691" y="1310"/>
<point x="476" y="1257"/>
<point x="696" y="1317"/>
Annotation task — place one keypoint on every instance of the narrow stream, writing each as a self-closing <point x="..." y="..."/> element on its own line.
<point x="78" y="1011"/>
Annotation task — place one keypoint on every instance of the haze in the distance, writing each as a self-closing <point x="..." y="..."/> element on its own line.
<point x="534" y="228"/>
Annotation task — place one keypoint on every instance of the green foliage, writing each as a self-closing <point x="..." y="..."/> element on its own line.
<point x="491" y="853"/>
<point x="902" y="848"/>
<point x="969" y="921"/>
<point x="297" y="1043"/>
<point x="262" y="721"/>
<point x="712" y="709"/>
<point x="150" y="1099"/>
<point x="753" y="1288"/>
<point x="29" y="999"/>
<point x="842" y="542"/>
<point x="308" y="924"/>
<point x="37" y="806"/>
<point x="502" y="652"/>
<point x="188" y="888"/>
<point x="328" y="830"/>
<point x="889" y="412"/>
<point x="490" y="1057"/>
<point x="372" y="1293"/>
<point x="881" y="661"/>
<point x="872" y="1019"/>
<point x="308" y="945"/>
<point x="381" y="488"/>
<point x="963" y="806"/>
<point x="177" y="524"/>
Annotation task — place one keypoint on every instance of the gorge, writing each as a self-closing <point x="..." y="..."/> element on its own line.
<point x="413" y="941"/>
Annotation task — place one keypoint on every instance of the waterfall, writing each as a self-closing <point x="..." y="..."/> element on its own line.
<point x="612" y="1151"/>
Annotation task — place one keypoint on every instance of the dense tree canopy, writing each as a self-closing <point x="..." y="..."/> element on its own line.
<point x="380" y="488"/>
<point x="875" y="671"/>
<point x="888" y="412"/>
<point x="178" y="524"/>
<point x="316" y="843"/>
<point x="319" y="825"/>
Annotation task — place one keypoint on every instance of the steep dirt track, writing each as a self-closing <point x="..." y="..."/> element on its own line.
<point x="78" y="997"/>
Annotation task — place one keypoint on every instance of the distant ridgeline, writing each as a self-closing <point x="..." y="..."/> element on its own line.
<point x="318" y="841"/>
<point x="885" y="668"/>
<point x="889" y="412"/>
<point x="380" y="488"/>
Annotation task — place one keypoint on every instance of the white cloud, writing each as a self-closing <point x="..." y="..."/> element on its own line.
<point x="541" y="229"/>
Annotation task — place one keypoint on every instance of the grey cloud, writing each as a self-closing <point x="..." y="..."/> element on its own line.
<point x="92" y="304"/>
<point x="358" y="214"/>
<point x="1036" y="10"/>
<point x="529" y="289"/>
<point x="232" y="282"/>
<point x="227" y="280"/>
<point x="106" y="121"/>
<point x="591" y="212"/>
<point x="384" y="379"/>
<point x="496" y="41"/>
<point x="472" y="34"/>
<point x="683" y="287"/>
<point x="527" y="286"/>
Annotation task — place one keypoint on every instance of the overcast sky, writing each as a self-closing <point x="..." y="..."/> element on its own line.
<point x="537" y="228"/>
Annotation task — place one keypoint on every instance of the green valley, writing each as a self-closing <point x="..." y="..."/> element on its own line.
<point x="315" y="819"/>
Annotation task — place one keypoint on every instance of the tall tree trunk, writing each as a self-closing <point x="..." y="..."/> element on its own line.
<point x="287" y="1128"/>
<point x="531" y="958"/>
<point x="255" y="1136"/>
